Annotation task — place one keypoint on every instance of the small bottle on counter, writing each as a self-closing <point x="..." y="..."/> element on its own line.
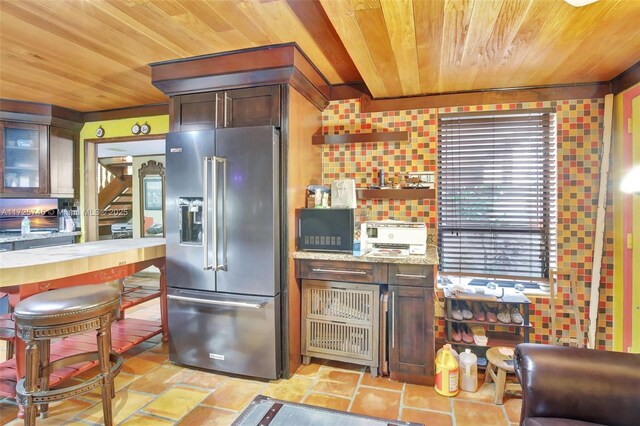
<point x="381" y="178"/>
<point x="25" y="227"/>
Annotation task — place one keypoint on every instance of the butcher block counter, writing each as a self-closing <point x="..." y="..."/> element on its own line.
<point x="52" y="263"/>
<point x="27" y="272"/>
<point x="407" y="287"/>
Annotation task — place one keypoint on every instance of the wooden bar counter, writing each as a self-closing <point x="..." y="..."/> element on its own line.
<point x="27" y="272"/>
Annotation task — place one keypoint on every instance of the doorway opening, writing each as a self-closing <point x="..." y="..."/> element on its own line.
<point x="124" y="186"/>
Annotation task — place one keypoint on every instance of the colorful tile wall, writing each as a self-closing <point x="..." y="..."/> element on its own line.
<point x="579" y="132"/>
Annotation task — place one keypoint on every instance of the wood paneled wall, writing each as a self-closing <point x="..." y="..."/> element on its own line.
<point x="304" y="167"/>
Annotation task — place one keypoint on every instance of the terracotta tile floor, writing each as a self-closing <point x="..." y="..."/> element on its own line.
<point x="154" y="392"/>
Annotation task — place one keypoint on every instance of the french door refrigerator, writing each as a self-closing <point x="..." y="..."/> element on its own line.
<point x="223" y="250"/>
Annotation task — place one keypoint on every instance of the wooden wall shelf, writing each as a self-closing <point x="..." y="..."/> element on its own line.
<point x="397" y="194"/>
<point x="361" y="138"/>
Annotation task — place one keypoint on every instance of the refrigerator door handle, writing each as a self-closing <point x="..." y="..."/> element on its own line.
<point x="214" y="177"/>
<point x="223" y="161"/>
<point x="217" y="302"/>
<point x="224" y="214"/>
<point x="205" y="213"/>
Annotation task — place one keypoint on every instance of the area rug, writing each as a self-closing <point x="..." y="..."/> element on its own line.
<point x="263" y="411"/>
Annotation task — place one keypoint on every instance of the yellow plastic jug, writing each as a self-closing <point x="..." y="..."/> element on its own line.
<point x="446" y="372"/>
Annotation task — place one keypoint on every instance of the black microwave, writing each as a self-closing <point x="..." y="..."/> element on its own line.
<point x="326" y="230"/>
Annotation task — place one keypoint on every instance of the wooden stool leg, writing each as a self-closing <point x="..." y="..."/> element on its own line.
<point x="487" y="373"/>
<point x="45" y="347"/>
<point x="500" y="384"/>
<point x="10" y="349"/>
<point x="104" y="349"/>
<point x="31" y="380"/>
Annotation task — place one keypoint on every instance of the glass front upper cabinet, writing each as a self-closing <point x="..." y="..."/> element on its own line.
<point x="24" y="158"/>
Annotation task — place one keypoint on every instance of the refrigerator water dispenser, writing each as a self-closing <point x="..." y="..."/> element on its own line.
<point x="190" y="218"/>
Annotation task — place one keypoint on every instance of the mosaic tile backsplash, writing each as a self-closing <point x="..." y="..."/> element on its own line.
<point x="579" y="132"/>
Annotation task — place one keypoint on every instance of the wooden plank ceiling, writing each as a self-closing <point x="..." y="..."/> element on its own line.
<point x="92" y="55"/>
<point x="406" y="47"/>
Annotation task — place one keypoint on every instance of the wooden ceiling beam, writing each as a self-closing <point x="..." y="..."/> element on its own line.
<point x="313" y="17"/>
<point x="488" y="97"/>
<point x="626" y="79"/>
<point x="131" y="112"/>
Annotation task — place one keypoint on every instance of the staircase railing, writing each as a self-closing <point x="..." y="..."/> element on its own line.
<point x="104" y="177"/>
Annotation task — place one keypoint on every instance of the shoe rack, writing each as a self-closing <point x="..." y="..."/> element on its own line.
<point x="498" y="333"/>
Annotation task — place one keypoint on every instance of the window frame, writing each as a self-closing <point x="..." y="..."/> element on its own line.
<point x="546" y="154"/>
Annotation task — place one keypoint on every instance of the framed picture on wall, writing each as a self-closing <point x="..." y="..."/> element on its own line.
<point x="153" y="193"/>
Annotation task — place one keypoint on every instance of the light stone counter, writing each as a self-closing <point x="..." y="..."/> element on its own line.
<point x="431" y="258"/>
<point x="44" y="264"/>
<point x="11" y="237"/>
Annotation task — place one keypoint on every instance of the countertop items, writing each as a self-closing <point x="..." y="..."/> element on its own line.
<point x="431" y="258"/>
<point x="10" y="237"/>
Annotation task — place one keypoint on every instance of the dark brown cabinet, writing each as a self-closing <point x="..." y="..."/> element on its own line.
<point x="411" y="338"/>
<point x="257" y="106"/>
<point x="357" y="272"/>
<point x="38" y="159"/>
<point x="410" y="325"/>
<point x="24" y="161"/>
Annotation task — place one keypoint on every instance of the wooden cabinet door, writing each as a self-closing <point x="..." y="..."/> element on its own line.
<point x="63" y="162"/>
<point x="411" y="346"/>
<point x="24" y="163"/>
<point x="257" y="106"/>
<point x="200" y="111"/>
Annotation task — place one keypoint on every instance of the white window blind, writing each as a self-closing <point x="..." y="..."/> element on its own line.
<point x="497" y="193"/>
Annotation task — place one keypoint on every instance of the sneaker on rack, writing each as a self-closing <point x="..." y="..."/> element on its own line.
<point x="478" y="312"/>
<point x="455" y="333"/>
<point x="467" y="335"/>
<point x="515" y="315"/>
<point x="456" y="313"/>
<point x="466" y="312"/>
<point x="504" y="315"/>
<point x="490" y="312"/>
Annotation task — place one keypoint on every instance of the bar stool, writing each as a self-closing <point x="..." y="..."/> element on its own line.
<point x="7" y="334"/>
<point x="7" y="326"/>
<point x="60" y="313"/>
<point x="497" y="360"/>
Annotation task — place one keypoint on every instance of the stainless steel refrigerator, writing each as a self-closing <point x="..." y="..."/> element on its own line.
<point x="223" y="250"/>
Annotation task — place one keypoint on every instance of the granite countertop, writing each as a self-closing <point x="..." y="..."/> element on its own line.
<point x="10" y="237"/>
<point x="431" y="258"/>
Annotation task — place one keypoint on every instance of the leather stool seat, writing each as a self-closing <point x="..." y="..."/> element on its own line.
<point x="57" y="314"/>
<point x="67" y="305"/>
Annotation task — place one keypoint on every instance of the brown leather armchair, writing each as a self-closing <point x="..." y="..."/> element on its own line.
<point x="570" y="386"/>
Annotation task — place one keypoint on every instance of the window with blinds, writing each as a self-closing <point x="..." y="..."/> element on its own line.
<point x="497" y="193"/>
